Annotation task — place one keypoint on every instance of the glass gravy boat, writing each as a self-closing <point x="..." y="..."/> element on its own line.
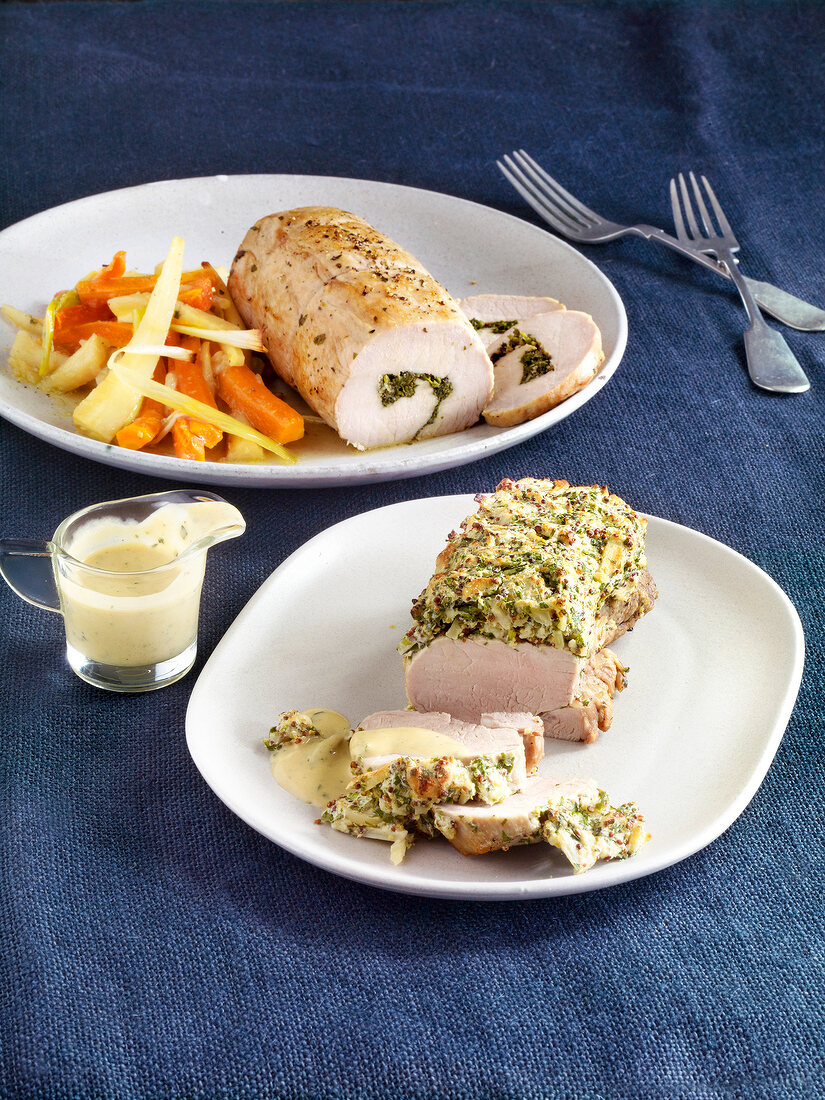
<point x="126" y="575"/>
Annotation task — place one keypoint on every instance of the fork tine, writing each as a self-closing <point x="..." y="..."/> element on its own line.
<point x="703" y="210"/>
<point x="576" y="206"/>
<point x="695" y="232"/>
<point x="549" y="213"/>
<point x="694" y="228"/>
<point x="724" y="224"/>
<point x="678" y="220"/>
<point x="562" y="219"/>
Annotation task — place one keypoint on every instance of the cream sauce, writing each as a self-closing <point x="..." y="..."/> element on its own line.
<point x="130" y="592"/>
<point x="318" y="770"/>
<point x="403" y="741"/>
<point x="327" y="722"/>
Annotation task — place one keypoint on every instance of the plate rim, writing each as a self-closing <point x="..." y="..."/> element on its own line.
<point x="363" y="468"/>
<point x="617" y="873"/>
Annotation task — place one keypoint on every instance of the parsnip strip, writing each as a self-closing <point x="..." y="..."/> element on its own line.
<point x="249" y="338"/>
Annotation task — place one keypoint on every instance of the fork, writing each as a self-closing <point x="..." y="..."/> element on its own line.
<point x="771" y="363"/>
<point x="578" y="222"/>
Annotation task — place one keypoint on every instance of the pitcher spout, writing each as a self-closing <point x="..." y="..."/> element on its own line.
<point x="209" y="520"/>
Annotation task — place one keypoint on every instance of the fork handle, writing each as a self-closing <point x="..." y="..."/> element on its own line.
<point x="785" y="307"/>
<point x="771" y="363"/>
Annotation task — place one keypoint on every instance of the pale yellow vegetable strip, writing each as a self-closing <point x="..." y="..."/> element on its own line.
<point x="242" y="450"/>
<point x="184" y="314"/>
<point x="114" y="403"/>
<point x="147" y="387"/>
<point x="249" y="338"/>
<point x="199" y="319"/>
<point x="26" y="321"/>
<point x="24" y="358"/>
<point x="165" y="350"/>
<point x="224" y="302"/>
<point x="80" y="368"/>
<point x="233" y="356"/>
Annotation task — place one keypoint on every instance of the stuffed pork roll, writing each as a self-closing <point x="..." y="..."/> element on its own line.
<point x="371" y="341"/>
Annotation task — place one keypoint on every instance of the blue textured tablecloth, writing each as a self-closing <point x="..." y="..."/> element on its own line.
<point x="153" y="945"/>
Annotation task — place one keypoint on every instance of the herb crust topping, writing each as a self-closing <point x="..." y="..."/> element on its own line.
<point x="535" y="563"/>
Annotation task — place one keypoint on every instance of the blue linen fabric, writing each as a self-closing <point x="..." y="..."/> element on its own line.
<point x="154" y="946"/>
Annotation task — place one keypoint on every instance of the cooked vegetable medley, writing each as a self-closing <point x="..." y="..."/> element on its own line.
<point x="152" y="356"/>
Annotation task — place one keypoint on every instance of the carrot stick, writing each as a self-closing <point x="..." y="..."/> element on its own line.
<point x="199" y="295"/>
<point x="113" y="270"/>
<point x="80" y="314"/>
<point x="195" y="286"/>
<point x="146" y="425"/>
<point x="116" y="333"/>
<point x="116" y="268"/>
<point x="143" y="428"/>
<point x="191" y="381"/>
<point x="187" y="445"/>
<point x="242" y="389"/>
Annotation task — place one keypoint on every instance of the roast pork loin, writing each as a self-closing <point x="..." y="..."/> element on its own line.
<point x="522" y="604"/>
<point x="360" y="328"/>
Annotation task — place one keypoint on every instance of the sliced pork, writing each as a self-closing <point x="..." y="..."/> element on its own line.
<point x="541" y="362"/>
<point x="570" y="814"/>
<point x="360" y="328"/>
<point x="396" y="785"/>
<point x="492" y="734"/>
<point x="530" y="728"/>
<point x="475" y="829"/>
<point x="491" y="314"/>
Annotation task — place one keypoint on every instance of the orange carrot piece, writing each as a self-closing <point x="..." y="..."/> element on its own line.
<point x="187" y="445"/>
<point x="113" y="270"/>
<point x="80" y="314"/>
<point x="146" y="425"/>
<point x="67" y="320"/>
<point x="191" y="381"/>
<point x="198" y="295"/>
<point x="242" y="389"/>
<point x="116" y="333"/>
<point x="143" y="428"/>
<point x="99" y="289"/>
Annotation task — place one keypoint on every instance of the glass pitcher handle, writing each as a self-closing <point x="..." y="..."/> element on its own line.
<point x="26" y="567"/>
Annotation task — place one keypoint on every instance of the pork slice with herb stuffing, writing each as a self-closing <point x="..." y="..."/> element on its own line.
<point x="372" y="342"/>
<point x="492" y="314"/>
<point x="541" y="362"/>
<point x="570" y="814"/>
<point x="398" y="781"/>
<point x="493" y="733"/>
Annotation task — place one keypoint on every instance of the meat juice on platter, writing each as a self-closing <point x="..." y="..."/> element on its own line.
<point x="508" y="646"/>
